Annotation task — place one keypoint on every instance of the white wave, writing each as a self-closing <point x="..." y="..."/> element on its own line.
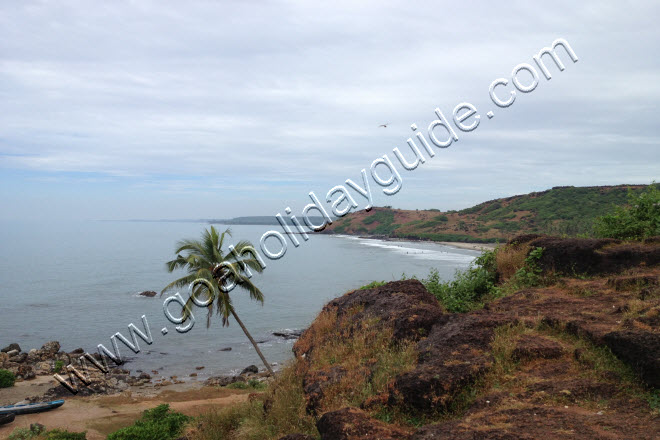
<point x="420" y="253"/>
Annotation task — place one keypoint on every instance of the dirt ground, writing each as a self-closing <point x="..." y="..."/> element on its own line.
<point x="101" y="415"/>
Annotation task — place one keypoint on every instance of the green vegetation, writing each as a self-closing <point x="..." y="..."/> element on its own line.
<point x="437" y="220"/>
<point x="529" y="275"/>
<point x="37" y="431"/>
<point x="7" y="379"/>
<point x="507" y="226"/>
<point x="58" y="366"/>
<point x="469" y="286"/>
<point x="639" y="220"/>
<point x="207" y="262"/>
<point x="385" y="221"/>
<point x="561" y="211"/>
<point x="158" y="423"/>
<point x="342" y="224"/>
<point x="251" y="384"/>
<point x="372" y="285"/>
<point x="452" y="237"/>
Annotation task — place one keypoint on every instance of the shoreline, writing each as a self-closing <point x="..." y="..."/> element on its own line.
<point x="456" y="244"/>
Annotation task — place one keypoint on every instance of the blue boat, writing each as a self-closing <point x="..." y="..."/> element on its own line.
<point x="30" y="408"/>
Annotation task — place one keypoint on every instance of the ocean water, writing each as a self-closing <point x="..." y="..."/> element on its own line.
<point x="77" y="283"/>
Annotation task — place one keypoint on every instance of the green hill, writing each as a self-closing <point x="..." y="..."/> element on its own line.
<point x="564" y="210"/>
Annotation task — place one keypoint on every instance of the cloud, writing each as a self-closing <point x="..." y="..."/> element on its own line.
<point x="242" y="93"/>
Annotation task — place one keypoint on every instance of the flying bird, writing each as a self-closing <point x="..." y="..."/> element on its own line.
<point x="384" y="125"/>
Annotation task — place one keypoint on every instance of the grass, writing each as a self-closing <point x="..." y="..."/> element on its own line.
<point x="38" y="432"/>
<point x="251" y="384"/>
<point x="364" y="349"/>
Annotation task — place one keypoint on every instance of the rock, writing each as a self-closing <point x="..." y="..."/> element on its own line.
<point x="199" y="368"/>
<point x="77" y="352"/>
<point x="444" y="365"/>
<point x="291" y="334"/>
<point x="297" y="437"/>
<point x="11" y="347"/>
<point x="590" y="256"/>
<point x="148" y="293"/>
<point x="533" y="347"/>
<point x="640" y="350"/>
<point x="193" y="374"/>
<point x="315" y="382"/>
<point x="43" y="368"/>
<point x="252" y="369"/>
<point x="50" y="348"/>
<point x="353" y="424"/>
<point x="223" y="381"/>
<point x="144" y="376"/>
<point x="33" y="356"/>
<point x="225" y="349"/>
<point x="12" y="353"/>
<point x="406" y="305"/>
<point x="19" y="358"/>
<point x="4" y="358"/>
<point x="25" y="372"/>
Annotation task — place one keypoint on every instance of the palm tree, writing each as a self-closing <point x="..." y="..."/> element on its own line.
<point x="209" y="268"/>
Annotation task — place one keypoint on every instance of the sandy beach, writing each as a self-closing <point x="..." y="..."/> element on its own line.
<point x="101" y="415"/>
<point x="471" y="246"/>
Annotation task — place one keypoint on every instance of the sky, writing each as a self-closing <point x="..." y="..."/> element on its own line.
<point x="201" y="109"/>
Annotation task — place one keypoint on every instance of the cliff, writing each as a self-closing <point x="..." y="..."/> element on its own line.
<point x="577" y="355"/>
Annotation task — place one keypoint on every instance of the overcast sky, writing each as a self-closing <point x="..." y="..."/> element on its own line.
<point x="169" y="109"/>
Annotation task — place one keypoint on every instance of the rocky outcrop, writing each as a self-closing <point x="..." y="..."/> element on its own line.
<point x="590" y="256"/>
<point x="11" y="347"/>
<point x="404" y="305"/>
<point x="639" y="349"/>
<point x="353" y="424"/>
<point x="454" y="352"/>
<point x="148" y="293"/>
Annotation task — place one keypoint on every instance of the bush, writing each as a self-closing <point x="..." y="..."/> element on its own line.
<point x="158" y="423"/>
<point x="37" y="431"/>
<point x="250" y="384"/>
<point x="58" y="366"/>
<point x="639" y="220"/>
<point x="7" y="379"/>
<point x="469" y="286"/>
<point x="57" y="434"/>
<point x="372" y="285"/>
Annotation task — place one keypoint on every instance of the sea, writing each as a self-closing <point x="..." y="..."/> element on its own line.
<point x="78" y="283"/>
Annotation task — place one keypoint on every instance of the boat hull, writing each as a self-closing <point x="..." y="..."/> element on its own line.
<point x="30" y="408"/>
<point x="6" y="418"/>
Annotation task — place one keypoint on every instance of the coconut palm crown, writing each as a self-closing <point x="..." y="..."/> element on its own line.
<point x="213" y="270"/>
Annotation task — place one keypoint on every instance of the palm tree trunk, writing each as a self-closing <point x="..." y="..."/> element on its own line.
<point x="247" y="333"/>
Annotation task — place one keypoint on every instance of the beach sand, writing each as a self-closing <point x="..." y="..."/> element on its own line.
<point x="101" y="415"/>
<point x="471" y="246"/>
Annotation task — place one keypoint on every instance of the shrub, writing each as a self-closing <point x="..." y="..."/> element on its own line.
<point x="639" y="220"/>
<point x="58" y="366"/>
<point x="372" y="284"/>
<point x="7" y="379"/>
<point x="158" y="423"/>
<point x="250" y="384"/>
<point x="37" y="431"/>
<point x="529" y="275"/>
<point x="57" y="434"/>
<point x="468" y="287"/>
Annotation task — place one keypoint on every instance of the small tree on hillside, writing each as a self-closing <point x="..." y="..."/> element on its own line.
<point x="639" y="220"/>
